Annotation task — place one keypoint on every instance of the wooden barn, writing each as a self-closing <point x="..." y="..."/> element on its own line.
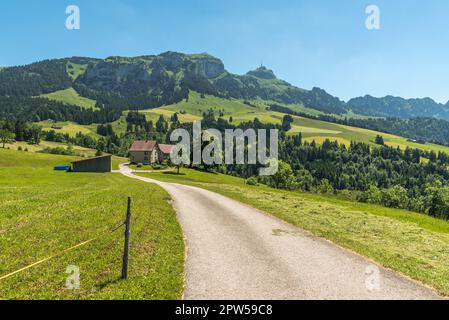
<point x="97" y="164"/>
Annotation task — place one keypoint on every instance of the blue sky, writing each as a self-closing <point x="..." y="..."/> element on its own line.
<point x="309" y="43"/>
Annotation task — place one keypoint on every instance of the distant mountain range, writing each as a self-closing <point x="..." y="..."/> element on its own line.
<point x="152" y="81"/>
<point x="390" y="106"/>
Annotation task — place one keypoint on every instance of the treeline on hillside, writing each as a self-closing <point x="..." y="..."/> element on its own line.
<point x="382" y="175"/>
<point x="419" y="129"/>
<point x="20" y="131"/>
<point x="109" y="142"/>
<point x="127" y="101"/>
<point x="40" y="109"/>
<point x="35" y="79"/>
<point x="31" y="133"/>
<point x="130" y="92"/>
<point x="138" y="128"/>
<point x="319" y="97"/>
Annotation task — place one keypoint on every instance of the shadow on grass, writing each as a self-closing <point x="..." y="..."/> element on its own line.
<point x="107" y="283"/>
<point x="206" y="171"/>
<point x="174" y="173"/>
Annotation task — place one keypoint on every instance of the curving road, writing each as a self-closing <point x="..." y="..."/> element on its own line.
<point x="237" y="252"/>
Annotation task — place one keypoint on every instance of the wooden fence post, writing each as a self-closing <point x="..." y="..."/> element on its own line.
<point x="127" y="234"/>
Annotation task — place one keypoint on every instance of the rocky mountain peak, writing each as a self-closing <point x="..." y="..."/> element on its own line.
<point x="262" y="73"/>
<point x="206" y="66"/>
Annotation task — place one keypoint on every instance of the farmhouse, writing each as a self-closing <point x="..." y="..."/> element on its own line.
<point x="149" y="152"/>
<point x="165" y="151"/>
<point x="97" y="164"/>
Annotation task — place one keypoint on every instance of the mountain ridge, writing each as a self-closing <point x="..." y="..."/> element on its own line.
<point x="394" y="106"/>
<point x="150" y="81"/>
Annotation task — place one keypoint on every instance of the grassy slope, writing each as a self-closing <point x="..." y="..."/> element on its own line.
<point x="346" y="134"/>
<point x="43" y="212"/>
<point x="196" y="105"/>
<point x="311" y="129"/>
<point x="194" y="108"/>
<point x="81" y="152"/>
<point x="70" y="128"/>
<point x="412" y="243"/>
<point x="44" y="144"/>
<point x="70" y="96"/>
<point x="154" y="114"/>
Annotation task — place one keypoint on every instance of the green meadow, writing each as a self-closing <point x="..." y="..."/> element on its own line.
<point x="81" y="151"/>
<point x="320" y="130"/>
<point x="414" y="244"/>
<point x="196" y="105"/>
<point x="239" y="111"/>
<point x="70" y="96"/>
<point x="70" y="128"/>
<point x="43" y="212"/>
<point x="311" y="130"/>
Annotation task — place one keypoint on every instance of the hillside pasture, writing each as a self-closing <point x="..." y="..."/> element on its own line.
<point x="70" y="128"/>
<point x="240" y="111"/>
<point x="198" y="105"/>
<point x="70" y="96"/>
<point x="81" y="151"/>
<point x="310" y="129"/>
<point x="347" y="134"/>
<point x="43" y="213"/>
<point x="154" y="114"/>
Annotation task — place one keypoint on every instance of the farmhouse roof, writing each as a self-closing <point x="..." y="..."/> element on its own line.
<point x="143" y="146"/>
<point x="166" y="148"/>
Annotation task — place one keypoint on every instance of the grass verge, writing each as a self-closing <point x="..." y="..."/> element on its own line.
<point x="414" y="244"/>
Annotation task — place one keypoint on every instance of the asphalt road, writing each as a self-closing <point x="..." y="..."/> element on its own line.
<point x="237" y="252"/>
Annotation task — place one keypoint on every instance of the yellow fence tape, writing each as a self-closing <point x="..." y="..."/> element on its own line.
<point x="46" y="259"/>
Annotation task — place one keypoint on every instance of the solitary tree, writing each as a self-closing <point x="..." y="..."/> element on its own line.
<point x="379" y="140"/>
<point x="283" y="178"/>
<point x="174" y="118"/>
<point x="101" y="146"/>
<point x="286" y="122"/>
<point x="6" y="137"/>
<point x="161" y="125"/>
